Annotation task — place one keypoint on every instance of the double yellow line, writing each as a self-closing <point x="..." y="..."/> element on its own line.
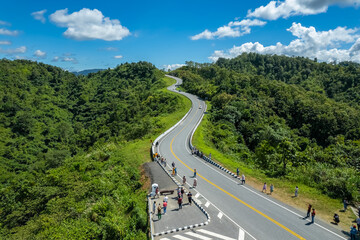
<point x="231" y="195"/>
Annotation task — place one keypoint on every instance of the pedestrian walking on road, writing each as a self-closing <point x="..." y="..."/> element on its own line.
<point x="164" y="206"/>
<point x="182" y="192"/>
<point x="184" y="180"/>
<point x="159" y="211"/>
<point x="180" y="202"/>
<point x="243" y="179"/>
<point x="189" y="197"/>
<point x="346" y="203"/>
<point x="166" y="199"/>
<point x="271" y="188"/>
<point x="313" y="213"/>
<point x="237" y="172"/>
<point x="194" y="172"/>
<point x="195" y="183"/>
<point x="264" y="188"/>
<point x="353" y="232"/>
<point x="157" y="192"/>
<point x="173" y="171"/>
<point x="296" y="191"/>
<point x="154" y="207"/>
<point x="308" y="211"/>
<point x="164" y="162"/>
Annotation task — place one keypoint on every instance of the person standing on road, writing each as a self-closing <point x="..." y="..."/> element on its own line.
<point x="189" y="197"/>
<point x="243" y="179"/>
<point x="173" y="164"/>
<point x="296" y="191"/>
<point x="264" y="188"/>
<point x="180" y="202"/>
<point x="159" y="211"/>
<point x="184" y="180"/>
<point x="182" y="192"/>
<point x="154" y="207"/>
<point x="194" y="172"/>
<point x="166" y="199"/>
<point x="164" y="206"/>
<point x="308" y="210"/>
<point x="271" y="188"/>
<point x="195" y="183"/>
<point x="313" y="213"/>
<point x="164" y="162"/>
<point x="175" y="171"/>
<point x="157" y="192"/>
<point x="237" y="172"/>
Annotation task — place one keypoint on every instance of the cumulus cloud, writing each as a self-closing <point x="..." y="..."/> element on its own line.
<point x="173" y="66"/>
<point x="55" y="59"/>
<point x="4" y="31"/>
<point x="284" y="9"/>
<point x="21" y="49"/>
<point x="39" y="15"/>
<point x="88" y="24"/>
<point x="69" y="59"/>
<point x="233" y="29"/>
<point x="5" y="43"/>
<point x="40" y="54"/>
<point x="310" y="43"/>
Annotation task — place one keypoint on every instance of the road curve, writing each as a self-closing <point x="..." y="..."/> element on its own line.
<point x="260" y="216"/>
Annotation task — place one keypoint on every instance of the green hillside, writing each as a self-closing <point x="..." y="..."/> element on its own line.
<point x="65" y="168"/>
<point x="293" y="118"/>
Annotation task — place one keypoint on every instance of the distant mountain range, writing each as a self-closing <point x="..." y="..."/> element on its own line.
<point x="87" y="71"/>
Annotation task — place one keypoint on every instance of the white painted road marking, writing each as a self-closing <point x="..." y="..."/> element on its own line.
<point x="197" y="195"/>
<point x="207" y="204"/>
<point x="241" y="234"/>
<point x="181" y="237"/>
<point x="220" y="215"/>
<point x="164" y="239"/>
<point x="218" y="236"/>
<point x="197" y="236"/>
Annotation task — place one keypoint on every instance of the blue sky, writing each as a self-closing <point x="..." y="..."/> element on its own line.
<point x="77" y="35"/>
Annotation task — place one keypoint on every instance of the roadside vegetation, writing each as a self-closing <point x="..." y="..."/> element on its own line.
<point x="286" y="121"/>
<point x="72" y="147"/>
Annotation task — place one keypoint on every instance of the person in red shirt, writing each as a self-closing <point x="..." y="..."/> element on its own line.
<point x="164" y="206"/>
<point x="313" y="215"/>
<point x="180" y="202"/>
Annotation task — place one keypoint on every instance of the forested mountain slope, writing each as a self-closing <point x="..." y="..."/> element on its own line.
<point x="61" y="173"/>
<point x="291" y="117"/>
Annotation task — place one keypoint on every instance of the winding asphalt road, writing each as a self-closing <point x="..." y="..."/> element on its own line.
<point x="258" y="215"/>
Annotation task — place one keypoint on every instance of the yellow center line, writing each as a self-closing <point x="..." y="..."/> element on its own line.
<point x="231" y="195"/>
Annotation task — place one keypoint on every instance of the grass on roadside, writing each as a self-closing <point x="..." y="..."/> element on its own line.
<point x="283" y="188"/>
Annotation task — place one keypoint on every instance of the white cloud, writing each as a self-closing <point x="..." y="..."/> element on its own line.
<point x="13" y="51"/>
<point x="111" y="49"/>
<point x="5" y="43"/>
<point x="89" y="24"/>
<point x="55" y="59"/>
<point x="39" y="15"/>
<point x="173" y="66"/>
<point x="69" y="59"/>
<point x="310" y="43"/>
<point x="4" y="31"/>
<point x="4" y="23"/>
<point x="233" y="29"/>
<point x="118" y="57"/>
<point x="40" y="54"/>
<point x="284" y="9"/>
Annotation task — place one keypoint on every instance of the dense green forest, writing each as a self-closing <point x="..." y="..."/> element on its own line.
<point x="61" y="173"/>
<point x="293" y="118"/>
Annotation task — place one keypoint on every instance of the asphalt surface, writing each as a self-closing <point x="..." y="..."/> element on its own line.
<point x="249" y="213"/>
